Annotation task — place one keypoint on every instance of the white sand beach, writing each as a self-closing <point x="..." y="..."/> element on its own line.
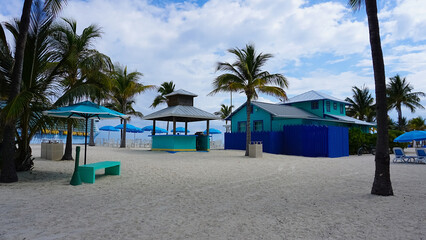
<point x="215" y="195"/>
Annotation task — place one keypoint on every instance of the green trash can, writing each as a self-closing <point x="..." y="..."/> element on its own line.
<point x="203" y="142"/>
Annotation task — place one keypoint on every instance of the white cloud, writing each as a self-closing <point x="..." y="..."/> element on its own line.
<point x="405" y="21"/>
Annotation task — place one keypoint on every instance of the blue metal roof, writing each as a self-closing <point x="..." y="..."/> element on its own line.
<point x="182" y="113"/>
<point x="313" y="96"/>
<point x="350" y="120"/>
<point x="181" y="92"/>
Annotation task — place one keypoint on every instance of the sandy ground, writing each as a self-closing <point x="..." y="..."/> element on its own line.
<point x="215" y="195"/>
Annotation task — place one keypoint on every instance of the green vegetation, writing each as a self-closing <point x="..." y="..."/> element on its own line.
<point x="417" y="123"/>
<point x="224" y="112"/>
<point x="362" y="106"/>
<point x="357" y="138"/>
<point x="399" y="93"/>
<point x="164" y="89"/>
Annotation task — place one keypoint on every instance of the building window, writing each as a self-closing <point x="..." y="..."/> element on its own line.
<point x="258" y="125"/>
<point x="341" y="108"/>
<point x="242" y="126"/>
<point x="327" y="106"/>
<point x="314" y="105"/>
<point x="334" y="106"/>
<point x="251" y="109"/>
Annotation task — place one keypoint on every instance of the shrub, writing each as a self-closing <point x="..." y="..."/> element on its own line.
<point x="357" y="138"/>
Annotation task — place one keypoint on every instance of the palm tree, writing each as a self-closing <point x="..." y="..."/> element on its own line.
<point x="382" y="184"/>
<point x="245" y="75"/>
<point x="37" y="80"/>
<point x="362" y="104"/>
<point x="399" y="93"/>
<point x="125" y="87"/>
<point x="79" y="67"/>
<point x="224" y="112"/>
<point x="164" y="89"/>
<point x="417" y="123"/>
<point x="8" y="173"/>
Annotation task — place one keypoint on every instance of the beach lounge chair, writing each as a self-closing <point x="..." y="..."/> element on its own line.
<point x="421" y="155"/>
<point x="400" y="156"/>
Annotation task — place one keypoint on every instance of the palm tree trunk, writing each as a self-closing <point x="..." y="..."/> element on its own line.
<point x="382" y="183"/>
<point x="68" y="143"/>
<point x="23" y="162"/>
<point x="231" y="113"/>
<point x="248" y="131"/>
<point x="399" y="111"/>
<point x="8" y="173"/>
<point x="92" y="132"/>
<point x="123" y="136"/>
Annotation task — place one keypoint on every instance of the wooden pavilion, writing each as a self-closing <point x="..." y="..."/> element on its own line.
<point x="181" y="109"/>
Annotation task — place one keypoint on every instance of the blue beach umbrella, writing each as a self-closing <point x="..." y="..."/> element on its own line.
<point x="212" y="131"/>
<point x="180" y="130"/>
<point x="84" y="110"/>
<point x="129" y="128"/>
<point x="157" y="129"/>
<point x="410" y="136"/>
<point x="108" y="129"/>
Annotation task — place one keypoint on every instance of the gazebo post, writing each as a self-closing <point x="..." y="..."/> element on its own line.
<point x="174" y="126"/>
<point x="186" y="127"/>
<point x="85" y="142"/>
<point x="208" y="127"/>
<point x="153" y="127"/>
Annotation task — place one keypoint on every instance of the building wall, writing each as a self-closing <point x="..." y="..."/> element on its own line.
<point x="332" y="109"/>
<point x="257" y="115"/>
<point x="279" y="123"/>
<point x="307" y="106"/>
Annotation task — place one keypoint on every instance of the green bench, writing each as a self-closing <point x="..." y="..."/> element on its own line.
<point x="87" y="172"/>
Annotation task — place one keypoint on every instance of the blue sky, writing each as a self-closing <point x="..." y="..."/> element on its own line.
<point x="318" y="45"/>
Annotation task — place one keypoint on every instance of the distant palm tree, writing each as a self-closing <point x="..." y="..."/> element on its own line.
<point x="362" y="104"/>
<point x="125" y="87"/>
<point x="164" y="89"/>
<point x="417" y="123"/>
<point x="224" y="112"/>
<point x="382" y="184"/>
<point x="245" y="75"/>
<point x="399" y="93"/>
<point x="78" y="66"/>
<point x="52" y="7"/>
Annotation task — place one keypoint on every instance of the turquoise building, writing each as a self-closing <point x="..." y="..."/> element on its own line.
<point x="311" y="108"/>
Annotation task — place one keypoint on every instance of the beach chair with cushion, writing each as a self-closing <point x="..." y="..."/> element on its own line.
<point x="421" y="155"/>
<point x="401" y="157"/>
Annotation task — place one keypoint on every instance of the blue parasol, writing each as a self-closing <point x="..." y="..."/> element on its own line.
<point x="180" y="130"/>
<point x="108" y="129"/>
<point x="84" y="110"/>
<point x="157" y="129"/>
<point x="410" y="136"/>
<point x="212" y="131"/>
